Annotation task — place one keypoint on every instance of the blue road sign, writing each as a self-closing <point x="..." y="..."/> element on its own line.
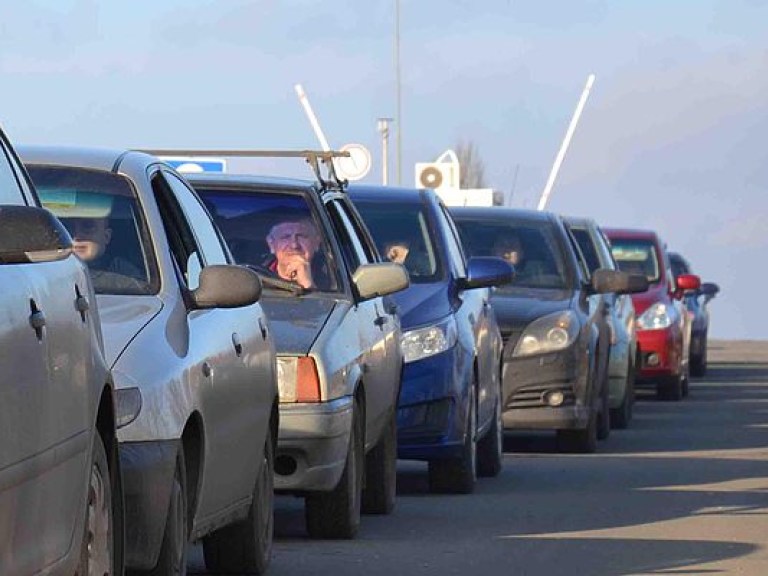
<point x="196" y="165"/>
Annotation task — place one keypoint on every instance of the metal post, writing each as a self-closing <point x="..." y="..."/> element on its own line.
<point x="398" y="91"/>
<point x="383" y="128"/>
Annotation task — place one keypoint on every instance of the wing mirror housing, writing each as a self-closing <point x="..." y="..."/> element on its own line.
<point x="226" y="286"/>
<point x="605" y="281"/>
<point x="709" y="290"/>
<point x="487" y="271"/>
<point x="29" y="234"/>
<point x="687" y="283"/>
<point x="380" y="279"/>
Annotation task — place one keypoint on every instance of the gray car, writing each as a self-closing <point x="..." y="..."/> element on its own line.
<point x="338" y="341"/>
<point x="190" y="354"/>
<point x="60" y="483"/>
<point x="620" y="312"/>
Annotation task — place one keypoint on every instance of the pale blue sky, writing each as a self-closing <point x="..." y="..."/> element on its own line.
<point x="672" y="138"/>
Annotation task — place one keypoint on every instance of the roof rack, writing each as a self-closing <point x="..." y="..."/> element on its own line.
<point x="313" y="157"/>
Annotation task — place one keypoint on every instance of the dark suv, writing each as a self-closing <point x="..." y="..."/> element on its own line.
<point x="556" y="340"/>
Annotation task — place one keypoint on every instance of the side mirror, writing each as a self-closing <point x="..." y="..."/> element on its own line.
<point x="372" y="280"/>
<point x="605" y="280"/>
<point x="687" y="283"/>
<point x="709" y="290"/>
<point x="486" y="271"/>
<point x="226" y="286"/>
<point x="29" y="234"/>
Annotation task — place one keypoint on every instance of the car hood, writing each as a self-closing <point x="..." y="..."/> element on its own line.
<point x="422" y="304"/>
<point x="516" y="308"/>
<point x="122" y="318"/>
<point x="296" y="322"/>
<point x="643" y="300"/>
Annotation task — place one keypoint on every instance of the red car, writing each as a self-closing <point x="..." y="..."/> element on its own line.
<point x="663" y="325"/>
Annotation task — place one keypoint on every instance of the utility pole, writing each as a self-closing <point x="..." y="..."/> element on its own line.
<point x="398" y="95"/>
<point x="382" y="125"/>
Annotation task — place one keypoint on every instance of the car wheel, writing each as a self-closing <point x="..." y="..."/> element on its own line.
<point x="97" y="557"/>
<point x="490" y="449"/>
<point x="458" y="475"/>
<point x="246" y="547"/>
<point x="336" y="514"/>
<point x="381" y="472"/>
<point x="582" y="441"/>
<point x="604" y="417"/>
<point x="670" y="388"/>
<point x="621" y="416"/>
<point x="699" y="361"/>
<point x="173" y="552"/>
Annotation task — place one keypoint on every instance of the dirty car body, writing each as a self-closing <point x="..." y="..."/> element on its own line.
<point x="195" y="377"/>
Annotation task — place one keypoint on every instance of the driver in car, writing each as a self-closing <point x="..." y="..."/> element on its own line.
<point x="293" y="244"/>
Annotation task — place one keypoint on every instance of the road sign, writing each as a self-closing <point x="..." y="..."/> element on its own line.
<point x="195" y="165"/>
<point x="356" y="165"/>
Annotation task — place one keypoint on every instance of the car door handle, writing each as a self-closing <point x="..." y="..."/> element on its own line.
<point x="237" y="344"/>
<point x="263" y="328"/>
<point x="380" y="321"/>
<point x="37" y="320"/>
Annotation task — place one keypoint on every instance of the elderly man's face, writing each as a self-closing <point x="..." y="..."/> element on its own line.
<point x="90" y="237"/>
<point x="291" y="239"/>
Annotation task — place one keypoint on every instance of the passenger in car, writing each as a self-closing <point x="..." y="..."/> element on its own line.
<point x="509" y="248"/>
<point x="294" y="243"/>
<point x="396" y="251"/>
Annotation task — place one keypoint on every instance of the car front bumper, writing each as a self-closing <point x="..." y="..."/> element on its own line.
<point x="526" y="381"/>
<point x="312" y="445"/>
<point x="659" y="354"/>
<point x="148" y="469"/>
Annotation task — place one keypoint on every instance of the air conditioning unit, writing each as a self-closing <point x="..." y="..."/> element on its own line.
<point x="437" y="175"/>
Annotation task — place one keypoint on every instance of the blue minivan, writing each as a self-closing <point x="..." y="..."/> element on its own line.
<point x="449" y="412"/>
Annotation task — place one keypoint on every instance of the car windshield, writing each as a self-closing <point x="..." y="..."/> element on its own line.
<point x="531" y="247"/>
<point x="636" y="257"/>
<point x="102" y="214"/>
<point x="402" y="234"/>
<point x="277" y="233"/>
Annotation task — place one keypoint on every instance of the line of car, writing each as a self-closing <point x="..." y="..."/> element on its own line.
<point x="176" y="350"/>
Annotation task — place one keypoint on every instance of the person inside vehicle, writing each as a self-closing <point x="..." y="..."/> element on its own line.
<point x="510" y="249"/>
<point x="293" y="244"/>
<point x="396" y="251"/>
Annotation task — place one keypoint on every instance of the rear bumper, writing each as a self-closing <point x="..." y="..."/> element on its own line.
<point x="312" y="445"/>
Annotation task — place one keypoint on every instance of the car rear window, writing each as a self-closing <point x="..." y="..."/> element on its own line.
<point x="531" y="247"/>
<point x="636" y="257"/>
<point x="102" y="214"/>
<point x="262" y="229"/>
<point x="403" y="235"/>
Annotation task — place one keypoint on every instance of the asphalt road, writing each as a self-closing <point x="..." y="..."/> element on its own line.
<point x="683" y="491"/>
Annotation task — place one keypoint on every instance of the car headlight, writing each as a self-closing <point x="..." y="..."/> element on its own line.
<point x="297" y="379"/>
<point x="657" y="317"/>
<point x="549" y="333"/>
<point x="428" y="341"/>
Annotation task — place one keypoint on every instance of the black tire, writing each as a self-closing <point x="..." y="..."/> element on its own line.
<point x="670" y="388"/>
<point x="699" y="361"/>
<point x="583" y="441"/>
<point x="622" y="416"/>
<point x="246" y="547"/>
<point x="604" y="417"/>
<point x="173" y="552"/>
<point x="335" y="515"/>
<point x="458" y="475"/>
<point x="380" y="489"/>
<point x="101" y="558"/>
<point x="490" y="449"/>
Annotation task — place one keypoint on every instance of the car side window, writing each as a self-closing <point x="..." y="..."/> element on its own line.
<point x="10" y="189"/>
<point x="455" y="249"/>
<point x="183" y="244"/>
<point x="204" y="230"/>
<point x="588" y="248"/>
<point x="583" y="266"/>
<point x="351" y="248"/>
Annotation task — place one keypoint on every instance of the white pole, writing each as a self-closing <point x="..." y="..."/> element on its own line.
<point x="566" y="142"/>
<point x="312" y="118"/>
